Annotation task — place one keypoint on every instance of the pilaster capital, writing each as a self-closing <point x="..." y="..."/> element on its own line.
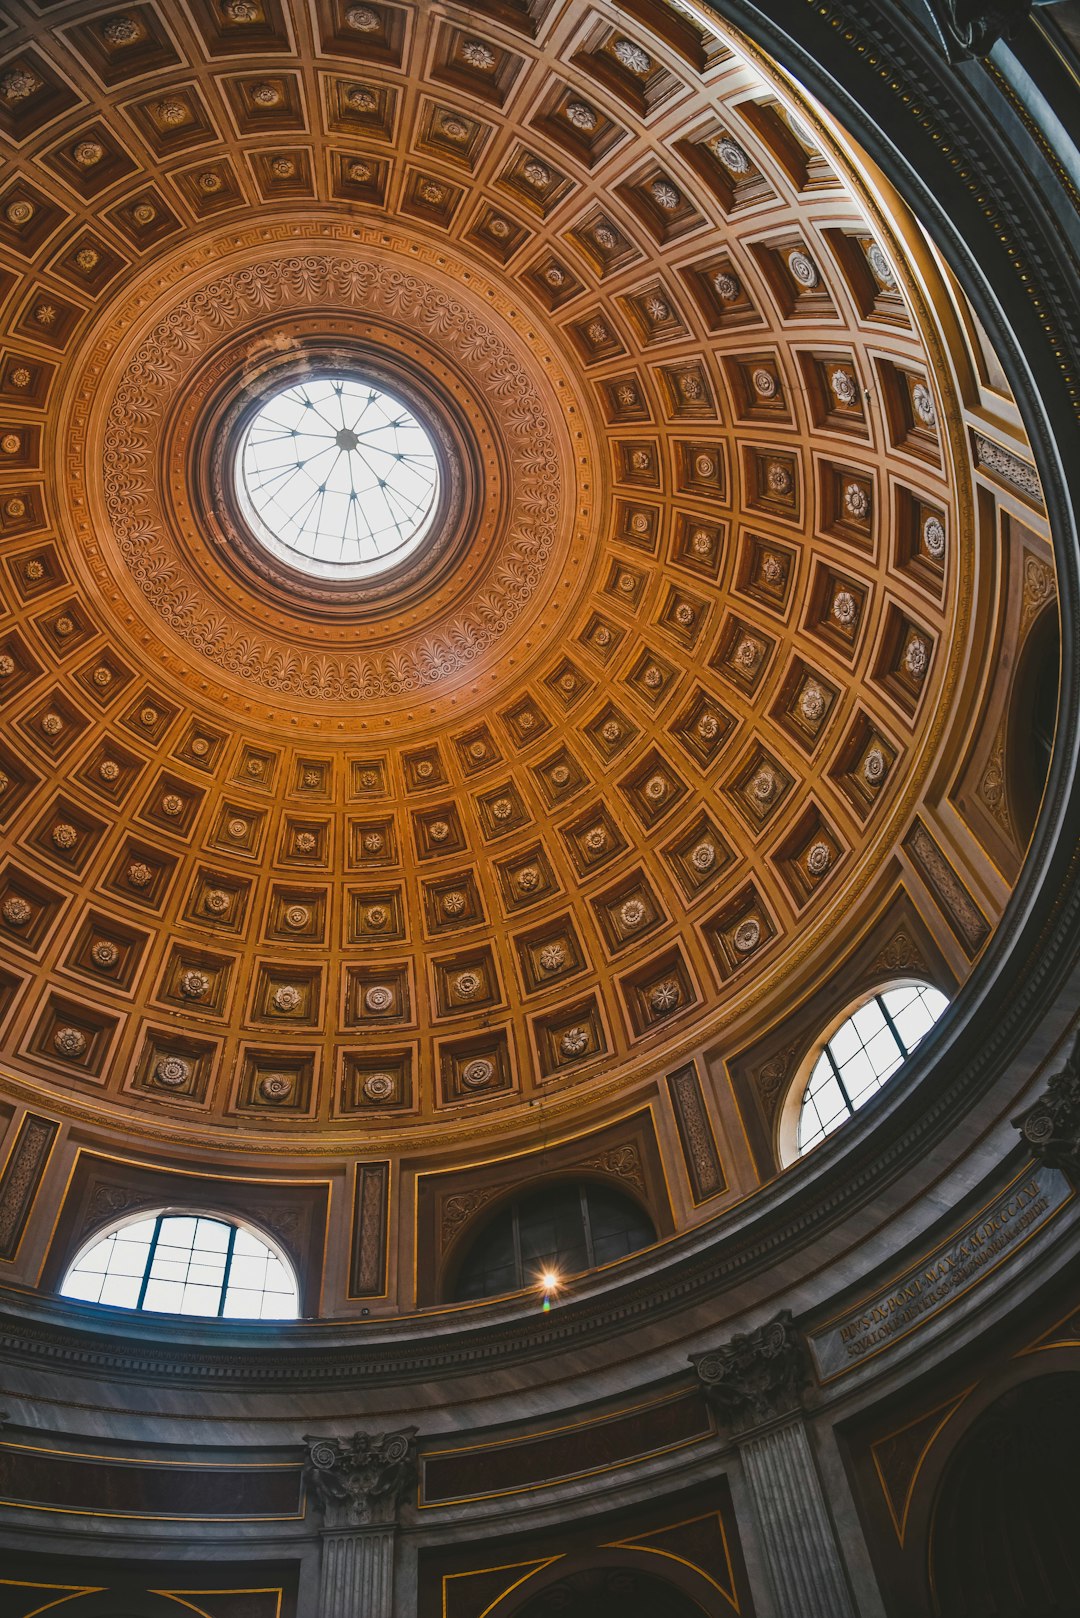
<point x="971" y="28"/>
<point x="1051" y="1126"/>
<point x="756" y="1377"/>
<point x="360" y="1482"/>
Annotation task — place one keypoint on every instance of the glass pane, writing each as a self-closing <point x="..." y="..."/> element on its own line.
<point x="169" y="1269"/>
<point x="100" y="1257"/>
<point x="79" y="1284"/>
<point x="201" y="1300"/>
<point x="883" y="1052"/>
<point x="243" y="1304"/>
<point x="178" y="1231"/>
<point x="278" y="1278"/>
<point x="247" y="1243"/>
<point x="618" y="1225"/>
<point x="140" y="1230"/>
<point x="206" y="1274"/>
<point x="165" y="1296"/>
<point x="868" y="1020"/>
<point x="552" y="1234"/>
<point x="211" y="1236"/>
<point x="248" y="1272"/>
<point x="128" y="1258"/>
<point x="845" y="1042"/>
<point x="122" y="1291"/>
<point x="918" y="1014"/>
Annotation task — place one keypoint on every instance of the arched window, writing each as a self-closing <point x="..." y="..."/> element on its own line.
<point x="855" y="1061"/>
<point x="185" y="1264"/>
<point x="560" y="1229"/>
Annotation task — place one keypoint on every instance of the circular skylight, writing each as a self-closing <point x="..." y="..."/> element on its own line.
<point x="337" y="477"/>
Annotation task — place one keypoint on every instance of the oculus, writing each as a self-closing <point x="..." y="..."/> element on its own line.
<point x="337" y="477"/>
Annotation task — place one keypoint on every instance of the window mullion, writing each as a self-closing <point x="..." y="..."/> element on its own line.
<point x="586" y="1221"/>
<point x="841" y="1086"/>
<point x="227" y="1271"/>
<point x="149" y="1265"/>
<point x="519" y="1267"/>
<point x="904" y="1052"/>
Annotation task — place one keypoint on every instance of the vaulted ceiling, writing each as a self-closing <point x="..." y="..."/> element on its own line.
<point x="626" y="757"/>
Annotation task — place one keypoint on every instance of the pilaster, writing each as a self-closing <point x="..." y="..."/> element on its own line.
<point x="359" y="1485"/>
<point x="754" y="1382"/>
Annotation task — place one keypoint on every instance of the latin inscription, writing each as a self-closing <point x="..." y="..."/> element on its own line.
<point x="923" y="1292"/>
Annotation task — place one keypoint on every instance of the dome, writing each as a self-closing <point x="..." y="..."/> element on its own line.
<point x="604" y="757"/>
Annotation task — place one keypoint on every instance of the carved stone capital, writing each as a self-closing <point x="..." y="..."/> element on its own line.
<point x="1051" y="1127"/>
<point x="360" y="1481"/>
<point x="973" y="27"/>
<point x="757" y="1376"/>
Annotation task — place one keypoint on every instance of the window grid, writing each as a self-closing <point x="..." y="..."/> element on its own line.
<point x="185" y="1264"/>
<point x="864" y="1052"/>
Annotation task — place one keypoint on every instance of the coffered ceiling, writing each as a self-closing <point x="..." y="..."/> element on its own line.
<point x="622" y="758"/>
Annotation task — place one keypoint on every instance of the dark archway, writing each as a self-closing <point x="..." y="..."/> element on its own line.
<point x="1003" y="1540"/>
<point x="610" y="1592"/>
<point x="563" y="1226"/>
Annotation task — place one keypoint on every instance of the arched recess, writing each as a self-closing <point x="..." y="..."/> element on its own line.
<point x="116" y="1601"/>
<point x="556" y="1187"/>
<point x="1031" y="720"/>
<point x="1002" y="1536"/>
<point x="616" y="1583"/>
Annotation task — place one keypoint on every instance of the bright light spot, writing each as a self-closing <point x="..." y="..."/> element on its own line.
<point x="337" y="478"/>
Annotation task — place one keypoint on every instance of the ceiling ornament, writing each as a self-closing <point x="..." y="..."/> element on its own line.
<point x="139" y="415"/>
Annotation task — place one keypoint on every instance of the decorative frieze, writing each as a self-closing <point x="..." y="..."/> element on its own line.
<point x="702" y="1159"/>
<point x="959" y="908"/>
<point x="1003" y="464"/>
<point x="370" y="1209"/>
<point x="21" y="1178"/>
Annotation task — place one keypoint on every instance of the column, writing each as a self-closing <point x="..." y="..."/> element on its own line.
<point x="754" y="1383"/>
<point x="357" y="1574"/>
<point x="359" y="1485"/>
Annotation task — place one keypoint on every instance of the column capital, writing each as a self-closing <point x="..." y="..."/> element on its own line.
<point x="1051" y="1127"/>
<point x="756" y="1377"/>
<point x="971" y="28"/>
<point x="360" y="1482"/>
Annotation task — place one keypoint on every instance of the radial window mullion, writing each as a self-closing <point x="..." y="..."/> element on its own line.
<point x="839" y="1077"/>
<point x="226" y="1271"/>
<point x="590" y="1250"/>
<point x="149" y="1260"/>
<point x="904" y="1052"/>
